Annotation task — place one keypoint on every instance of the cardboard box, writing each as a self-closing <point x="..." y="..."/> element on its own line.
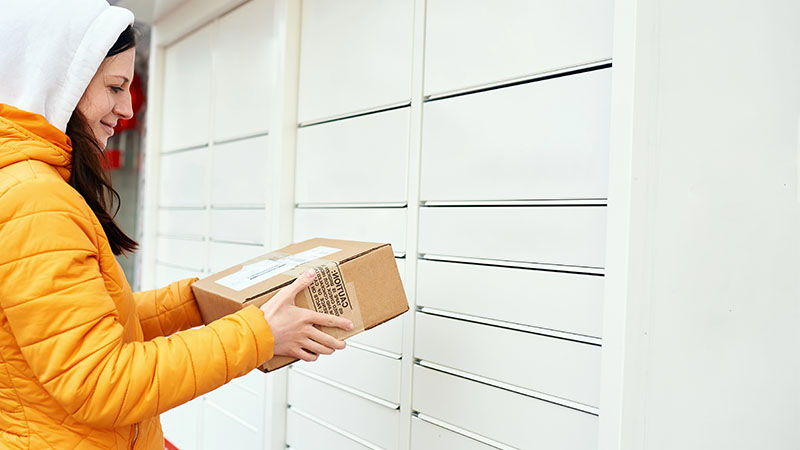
<point x="356" y="280"/>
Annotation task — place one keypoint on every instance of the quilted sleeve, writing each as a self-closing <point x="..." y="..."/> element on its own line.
<point x="67" y="326"/>
<point x="167" y="310"/>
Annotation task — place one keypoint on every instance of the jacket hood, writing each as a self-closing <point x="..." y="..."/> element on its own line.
<point x="27" y="136"/>
<point x="55" y="48"/>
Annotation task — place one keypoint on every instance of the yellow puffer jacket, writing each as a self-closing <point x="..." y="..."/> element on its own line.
<point x="84" y="362"/>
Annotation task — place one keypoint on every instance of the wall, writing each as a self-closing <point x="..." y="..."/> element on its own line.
<point x="702" y="273"/>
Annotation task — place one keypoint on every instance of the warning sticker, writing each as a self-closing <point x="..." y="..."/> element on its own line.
<point x="328" y="293"/>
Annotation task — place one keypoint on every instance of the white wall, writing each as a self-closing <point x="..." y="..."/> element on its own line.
<point x="703" y="287"/>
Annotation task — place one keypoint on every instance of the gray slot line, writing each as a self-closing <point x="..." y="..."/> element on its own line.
<point x="516" y="202"/>
<point x="511" y="388"/>
<point x="580" y="270"/>
<point x="334" y="428"/>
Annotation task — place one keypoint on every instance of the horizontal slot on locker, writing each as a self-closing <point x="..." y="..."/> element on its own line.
<point x="333" y="428"/>
<point x="181" y="237"/>
<point x="510" y="388"/>
<point x="581" y="270"/>
<point x="377" y="351"/>
<point x="461" y="431"/>
<point x="348" y="389"/>
<point x="184" y="149"/>
<point x="351" y="115"/>
<point x="237" y="207"/>
<point x="241" y="138"/>
<point x="583" y="339"/>
<point x="351" y="205"/>
<point x="231" y="416"/>
<point x="176" y="266"/>
<point x="222" y="241"/>
<point x="181" y="208"/>
<point x="597" y="65"/>
<point x="537" y="202"/>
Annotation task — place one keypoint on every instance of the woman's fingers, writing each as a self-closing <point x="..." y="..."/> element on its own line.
<point x="305" y="355"/>
<point x="316" y="347"/>
<point x="325" y="339"/>
<point x="328" y="320"/>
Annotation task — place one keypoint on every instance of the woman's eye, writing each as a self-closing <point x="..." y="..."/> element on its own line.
<point x="116" y="89"/>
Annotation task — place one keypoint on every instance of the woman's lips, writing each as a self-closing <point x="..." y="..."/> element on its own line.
<point x="108" y="128"/>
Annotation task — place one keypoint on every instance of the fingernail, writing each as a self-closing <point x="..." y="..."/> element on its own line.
<point x="310" y="273"/>
<point x="349" y="325"/>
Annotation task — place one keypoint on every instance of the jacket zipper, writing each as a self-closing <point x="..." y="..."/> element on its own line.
<point x="135" y="434"/>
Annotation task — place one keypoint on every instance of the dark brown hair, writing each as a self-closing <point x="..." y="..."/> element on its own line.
<point x="88" y="176"/>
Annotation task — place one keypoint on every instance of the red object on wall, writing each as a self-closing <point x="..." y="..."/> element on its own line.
<point x="113" y="159"/>
<point x="137" y="99"/>
<point x="169" y="445"/>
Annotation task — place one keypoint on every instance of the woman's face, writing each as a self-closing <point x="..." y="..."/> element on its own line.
<point x="108" y="96"/>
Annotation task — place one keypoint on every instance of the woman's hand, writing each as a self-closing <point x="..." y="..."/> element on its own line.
<point x="293" y="327"/>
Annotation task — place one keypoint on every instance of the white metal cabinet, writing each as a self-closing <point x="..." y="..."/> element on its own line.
<point x="368" y="420"/>
<point x="362" y="370"/>
<point x="186" y="253"/>
<point x="183" y="178"/>
<point x="425" y="435"/>
<point x="224" y="431"/>
<point x="568" y="235"/>
<point x="223" y="254"/>
<point x="357" y="160"/>
<point x="167" y="274"/>
<point x="243" y="404"/>
<point x="477" y="42"/>
<point x="180" y="424"/>
<point x="557" y="367"/>
<point x="244" y="68"/>
<point x="239" y="173"/>
<point x="355" y="54"/>
<point x="559" y="301"/>
<point x="303" y="433"/>
<point x="187" y="86"/>
<point x="182" y="222"/>
<point x="388" y="336"/>
<point x="357" y="224"/>
<point x="506" y="417"/>
<point x="239" y="225"/>
<point x="542" y="140"/>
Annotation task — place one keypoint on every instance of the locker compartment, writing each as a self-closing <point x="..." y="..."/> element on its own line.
<point x="240" y="403"/>
<point x="356" y="224"/>
<point x="566" y="235"/>
<point x="359" y="369"/>
<point x="253" y="381"/>
<point x="180" y="424"/>
<point x="487" y="42"/>
<point x="357" y="160"/>
<point x="239" y="173"/>
<point x="427" y="435"/>
<point x="166" y="274"/>
<point x="559" y="301"/>
<point x="355" y="54"/>
<point x="242" y="109"/>
<point x="387" y="336"/>
<point x="557" y="367"/>
<point x="223" y="255"/>
<point x="305" y="434"/>
<point x="222" y="431"/>
<point x="239" y="225"/>
<point x="543" y="140"/>
<point x="501" y="415"/>
<point x="182" y="222"/>
<point x="187" y="85"/>
<point x="189" y="254"/>
<point x="182" y="178"/>
<point x="368" y="420"/>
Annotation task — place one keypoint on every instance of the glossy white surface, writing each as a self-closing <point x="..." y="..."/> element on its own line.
<point x="357" y="224"/>
<point x="182" y="178"/>
<point x="240" y="172"/>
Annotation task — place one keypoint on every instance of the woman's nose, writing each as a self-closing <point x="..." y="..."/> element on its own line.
<point x="124" y="108"/>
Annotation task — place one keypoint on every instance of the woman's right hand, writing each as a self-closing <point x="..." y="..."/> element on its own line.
<point x="293" y="327"/>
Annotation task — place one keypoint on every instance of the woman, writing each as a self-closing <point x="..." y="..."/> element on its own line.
<point x="84" y="362"/>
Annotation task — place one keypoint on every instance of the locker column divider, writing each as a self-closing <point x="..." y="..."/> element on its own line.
<point x="282" y="144"/>
<point x="152" y="163"/>
<point x="412" y="224"/>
